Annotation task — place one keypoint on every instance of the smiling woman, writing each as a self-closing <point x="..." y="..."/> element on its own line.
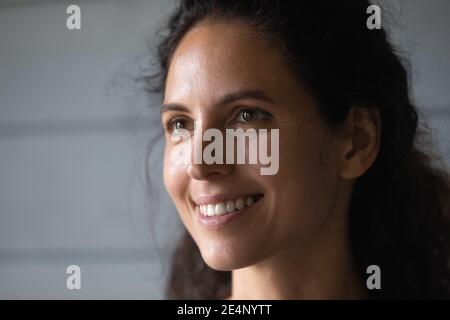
<point x="352" y="190"/>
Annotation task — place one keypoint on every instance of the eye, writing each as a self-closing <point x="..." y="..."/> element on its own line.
<point x="249" y="115"/>
<point x="177" y="124"/>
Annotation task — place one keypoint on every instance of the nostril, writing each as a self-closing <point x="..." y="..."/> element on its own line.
<point x="208" y="171"/>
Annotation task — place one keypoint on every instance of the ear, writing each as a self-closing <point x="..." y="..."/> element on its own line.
<point x="360" y="142"/>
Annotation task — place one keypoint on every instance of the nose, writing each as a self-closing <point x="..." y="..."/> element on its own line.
<point x="200" y="170"/>
<point x="208" y="171"/>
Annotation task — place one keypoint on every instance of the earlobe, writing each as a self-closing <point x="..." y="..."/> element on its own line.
<point x="361" y="142"/>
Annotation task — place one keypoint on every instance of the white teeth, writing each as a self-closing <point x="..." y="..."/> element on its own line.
<point x="229" y="206"/>
<point x="210" y="210"/>
<point x="240" y="203"/>
<point x="220" y="208"/>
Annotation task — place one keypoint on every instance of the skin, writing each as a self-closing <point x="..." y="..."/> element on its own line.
<point x="294" y="242"/>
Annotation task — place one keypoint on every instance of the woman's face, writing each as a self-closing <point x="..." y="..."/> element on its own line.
<point x="289" y="208"/>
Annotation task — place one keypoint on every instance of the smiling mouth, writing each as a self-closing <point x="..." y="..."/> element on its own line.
<point x="225" y="207"/>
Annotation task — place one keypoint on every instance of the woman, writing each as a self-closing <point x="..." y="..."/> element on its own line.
<point x="353" y="188"/>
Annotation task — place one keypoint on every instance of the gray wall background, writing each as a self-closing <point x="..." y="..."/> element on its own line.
<point x="74" y="130"/>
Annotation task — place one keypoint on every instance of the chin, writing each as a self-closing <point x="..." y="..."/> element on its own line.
<point x="221" y="257"/>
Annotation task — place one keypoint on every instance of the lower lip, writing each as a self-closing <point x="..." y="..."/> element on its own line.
<point x="217" y="222"/>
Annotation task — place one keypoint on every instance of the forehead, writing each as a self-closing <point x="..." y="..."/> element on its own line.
<point x="214" y="59"/>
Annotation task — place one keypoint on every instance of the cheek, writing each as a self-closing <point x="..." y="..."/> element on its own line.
<point x="303" y="190"/>
<point x="175" y="171"/>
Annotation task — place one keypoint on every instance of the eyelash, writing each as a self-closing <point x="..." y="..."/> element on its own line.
<point x="170" y="124"/>
<point x="263" y="116"/>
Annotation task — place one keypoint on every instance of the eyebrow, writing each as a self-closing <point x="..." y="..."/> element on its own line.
<point x="226" y="99"/>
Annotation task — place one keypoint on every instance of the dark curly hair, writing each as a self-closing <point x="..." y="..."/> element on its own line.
<point x="399" y="211"/>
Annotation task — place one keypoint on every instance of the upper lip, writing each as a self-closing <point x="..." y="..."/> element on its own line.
<point x="209" y="199"/>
